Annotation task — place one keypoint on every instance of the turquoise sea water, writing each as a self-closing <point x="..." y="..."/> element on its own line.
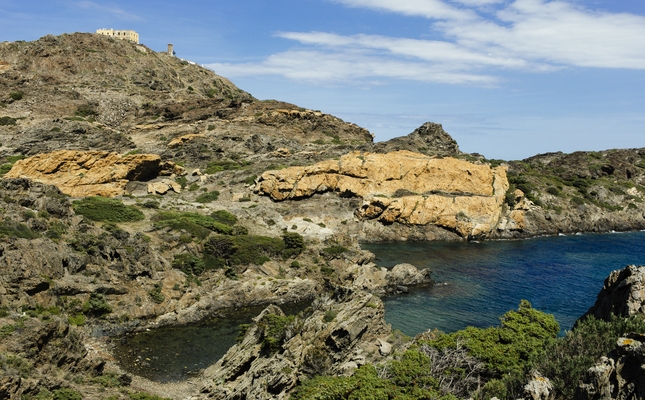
<point x="559" y="275"/>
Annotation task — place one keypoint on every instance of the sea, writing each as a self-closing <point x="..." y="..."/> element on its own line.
<point x="475" y="284"/>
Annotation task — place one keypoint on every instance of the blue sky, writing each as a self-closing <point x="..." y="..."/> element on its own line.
<point x="506" y="78"/>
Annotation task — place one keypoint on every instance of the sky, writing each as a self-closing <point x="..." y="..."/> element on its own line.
<point x="506" y="78"/>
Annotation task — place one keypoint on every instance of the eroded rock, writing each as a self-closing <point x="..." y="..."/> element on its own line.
<point x="91" y="173"/>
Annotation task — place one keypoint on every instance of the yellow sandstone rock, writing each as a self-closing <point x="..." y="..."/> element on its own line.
<point x="90" y="173"/>
<point x="404" y="187"/>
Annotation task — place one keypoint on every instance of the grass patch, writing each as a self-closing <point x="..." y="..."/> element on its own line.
<point x="207" y="197"/>
<point x="17" y="230"/>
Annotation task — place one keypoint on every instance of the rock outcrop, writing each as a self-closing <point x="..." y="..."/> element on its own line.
<point x="381" y="281"/>
<point x="337" y="337"/>
<point x="429" y="138"/>
<point x="619" y="376"/>
<point x="623" y="294"/>
<point x="404" y="187"/>
<point x="91" y="173"/>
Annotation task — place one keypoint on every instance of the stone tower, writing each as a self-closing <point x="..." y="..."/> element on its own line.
<point x="171" y="50"/>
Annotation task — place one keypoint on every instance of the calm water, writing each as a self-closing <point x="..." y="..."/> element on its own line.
<point x="558" y="275"/>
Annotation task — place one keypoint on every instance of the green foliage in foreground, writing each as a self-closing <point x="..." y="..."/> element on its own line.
<point x="106" y="210"/>
<point x="505" y="353"/>
<point x="566" y="360"/>
<point x="407" y="379"/>
<point x="511" y="347"/>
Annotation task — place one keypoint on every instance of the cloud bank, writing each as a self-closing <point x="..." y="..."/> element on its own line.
<point x="480" y="41"/>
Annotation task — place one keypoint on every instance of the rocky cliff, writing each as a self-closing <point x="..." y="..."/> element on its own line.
<point x="404" y="187"/>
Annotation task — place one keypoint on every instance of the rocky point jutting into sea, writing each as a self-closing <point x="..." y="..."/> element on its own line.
<point x="142" y="191"/>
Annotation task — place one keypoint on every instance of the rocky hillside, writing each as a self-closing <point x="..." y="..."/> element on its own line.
<point x="141" y="190"/>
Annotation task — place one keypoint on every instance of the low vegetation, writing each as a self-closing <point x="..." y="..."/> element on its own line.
<point x="106" y="210"/>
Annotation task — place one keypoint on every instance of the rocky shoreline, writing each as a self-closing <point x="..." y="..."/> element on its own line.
<point x="141" y="191"/>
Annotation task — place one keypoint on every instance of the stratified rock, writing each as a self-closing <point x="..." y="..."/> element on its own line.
<point x="90" y="173"/>
<point x="381" y="281"/>
<point x="404" y="187"/>
<point x="622" y="295"/>
<point x="335" y="339"/>
<point x="619" y="376"/>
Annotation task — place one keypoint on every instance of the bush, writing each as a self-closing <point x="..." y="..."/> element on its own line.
<point x="96" y="305"/>
<point x="294" y="244"/>
<point x="217" y="166"/>
<point x="106" y="210"/>
<point x="16" y="95"/>
<point x="224" y="217"/>
<point x="197" y="225"/>
<point x="334" y="251"/>
<point x="189" y="264"/>
<point x="86" y="110"/>
<point x="511" y="347"/>
<point x="565" y="361"/>
<point x="66" y="394"/>
<point x="207" y="197"/>
<point x="5" y="121"/>
<point x="155" y="294"/>
<point x="78" y="319"/>
<point x="17" y="230"/>
<point x="146" y="396"/>
<point x="274" y="331"/>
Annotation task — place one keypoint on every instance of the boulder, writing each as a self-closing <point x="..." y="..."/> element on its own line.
<point x="622" y="295"/>
<point x="619" y="376"/>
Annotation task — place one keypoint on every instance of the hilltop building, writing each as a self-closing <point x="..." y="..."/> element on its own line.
<point x="124" y="35"/>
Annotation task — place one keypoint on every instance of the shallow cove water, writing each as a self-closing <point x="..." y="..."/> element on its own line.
<point x="559" y="275"/>
<point x="175" y="353"/>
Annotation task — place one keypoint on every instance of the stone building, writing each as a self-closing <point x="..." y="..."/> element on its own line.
<point x="124" y="35"/>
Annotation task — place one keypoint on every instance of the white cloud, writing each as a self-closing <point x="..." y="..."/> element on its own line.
<point x="522" y="35"/>
<point x="434" y="9"/>
<point x="106" y="8"/>
<point x="348" y="66"/>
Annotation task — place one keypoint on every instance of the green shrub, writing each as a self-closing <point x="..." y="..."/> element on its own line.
<point x="257" y="250"/>
<point x="295" y="264"/>
<point x="5" y="121"/>
<point x="405" y="378"/>
<point x="224" y="165"/>
<point x="154" y="204"/>
<point x="511" y="347"/>
<point x="96" y="305"/>
<point x="16" y="229"/>
<point x="7" y="330"/>
<point x="189" y="264"/>
<point x="207" y="197"/>
<point x="250" y="180"/>
<point x="224" y="217"/>
<point x="66" y="394"/>
<point x="193" y="187"/>
<point x="565" y="361"/>
<point x="182" y="180"/>
<point x="86" y="110"/>
<point x="16" y="95"/>
<point x="155" y="294"/>
<point x="553" y="190"/>
<point x="78" y="319"/>
<point x="197" y="225"/>
<point x="294" y="244"/>
<point x="106" y="210"/>
<point x="108" y="379"/>
<point x="274" y="331"/>
<point x="334" y="251"/>
<point x="329" y="315"/>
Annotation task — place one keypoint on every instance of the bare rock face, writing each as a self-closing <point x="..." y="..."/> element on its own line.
<point x="90" y="173"/>
<point x="382" y="281"/>
<point x="622" y="295"/>
<point x="619" y="375"/>
<point x="429" y="138"/>
<point x="336" y="338"/>
<point x="404" y="187"/>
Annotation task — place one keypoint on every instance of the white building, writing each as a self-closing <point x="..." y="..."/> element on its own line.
<point x="124" y="35"/>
